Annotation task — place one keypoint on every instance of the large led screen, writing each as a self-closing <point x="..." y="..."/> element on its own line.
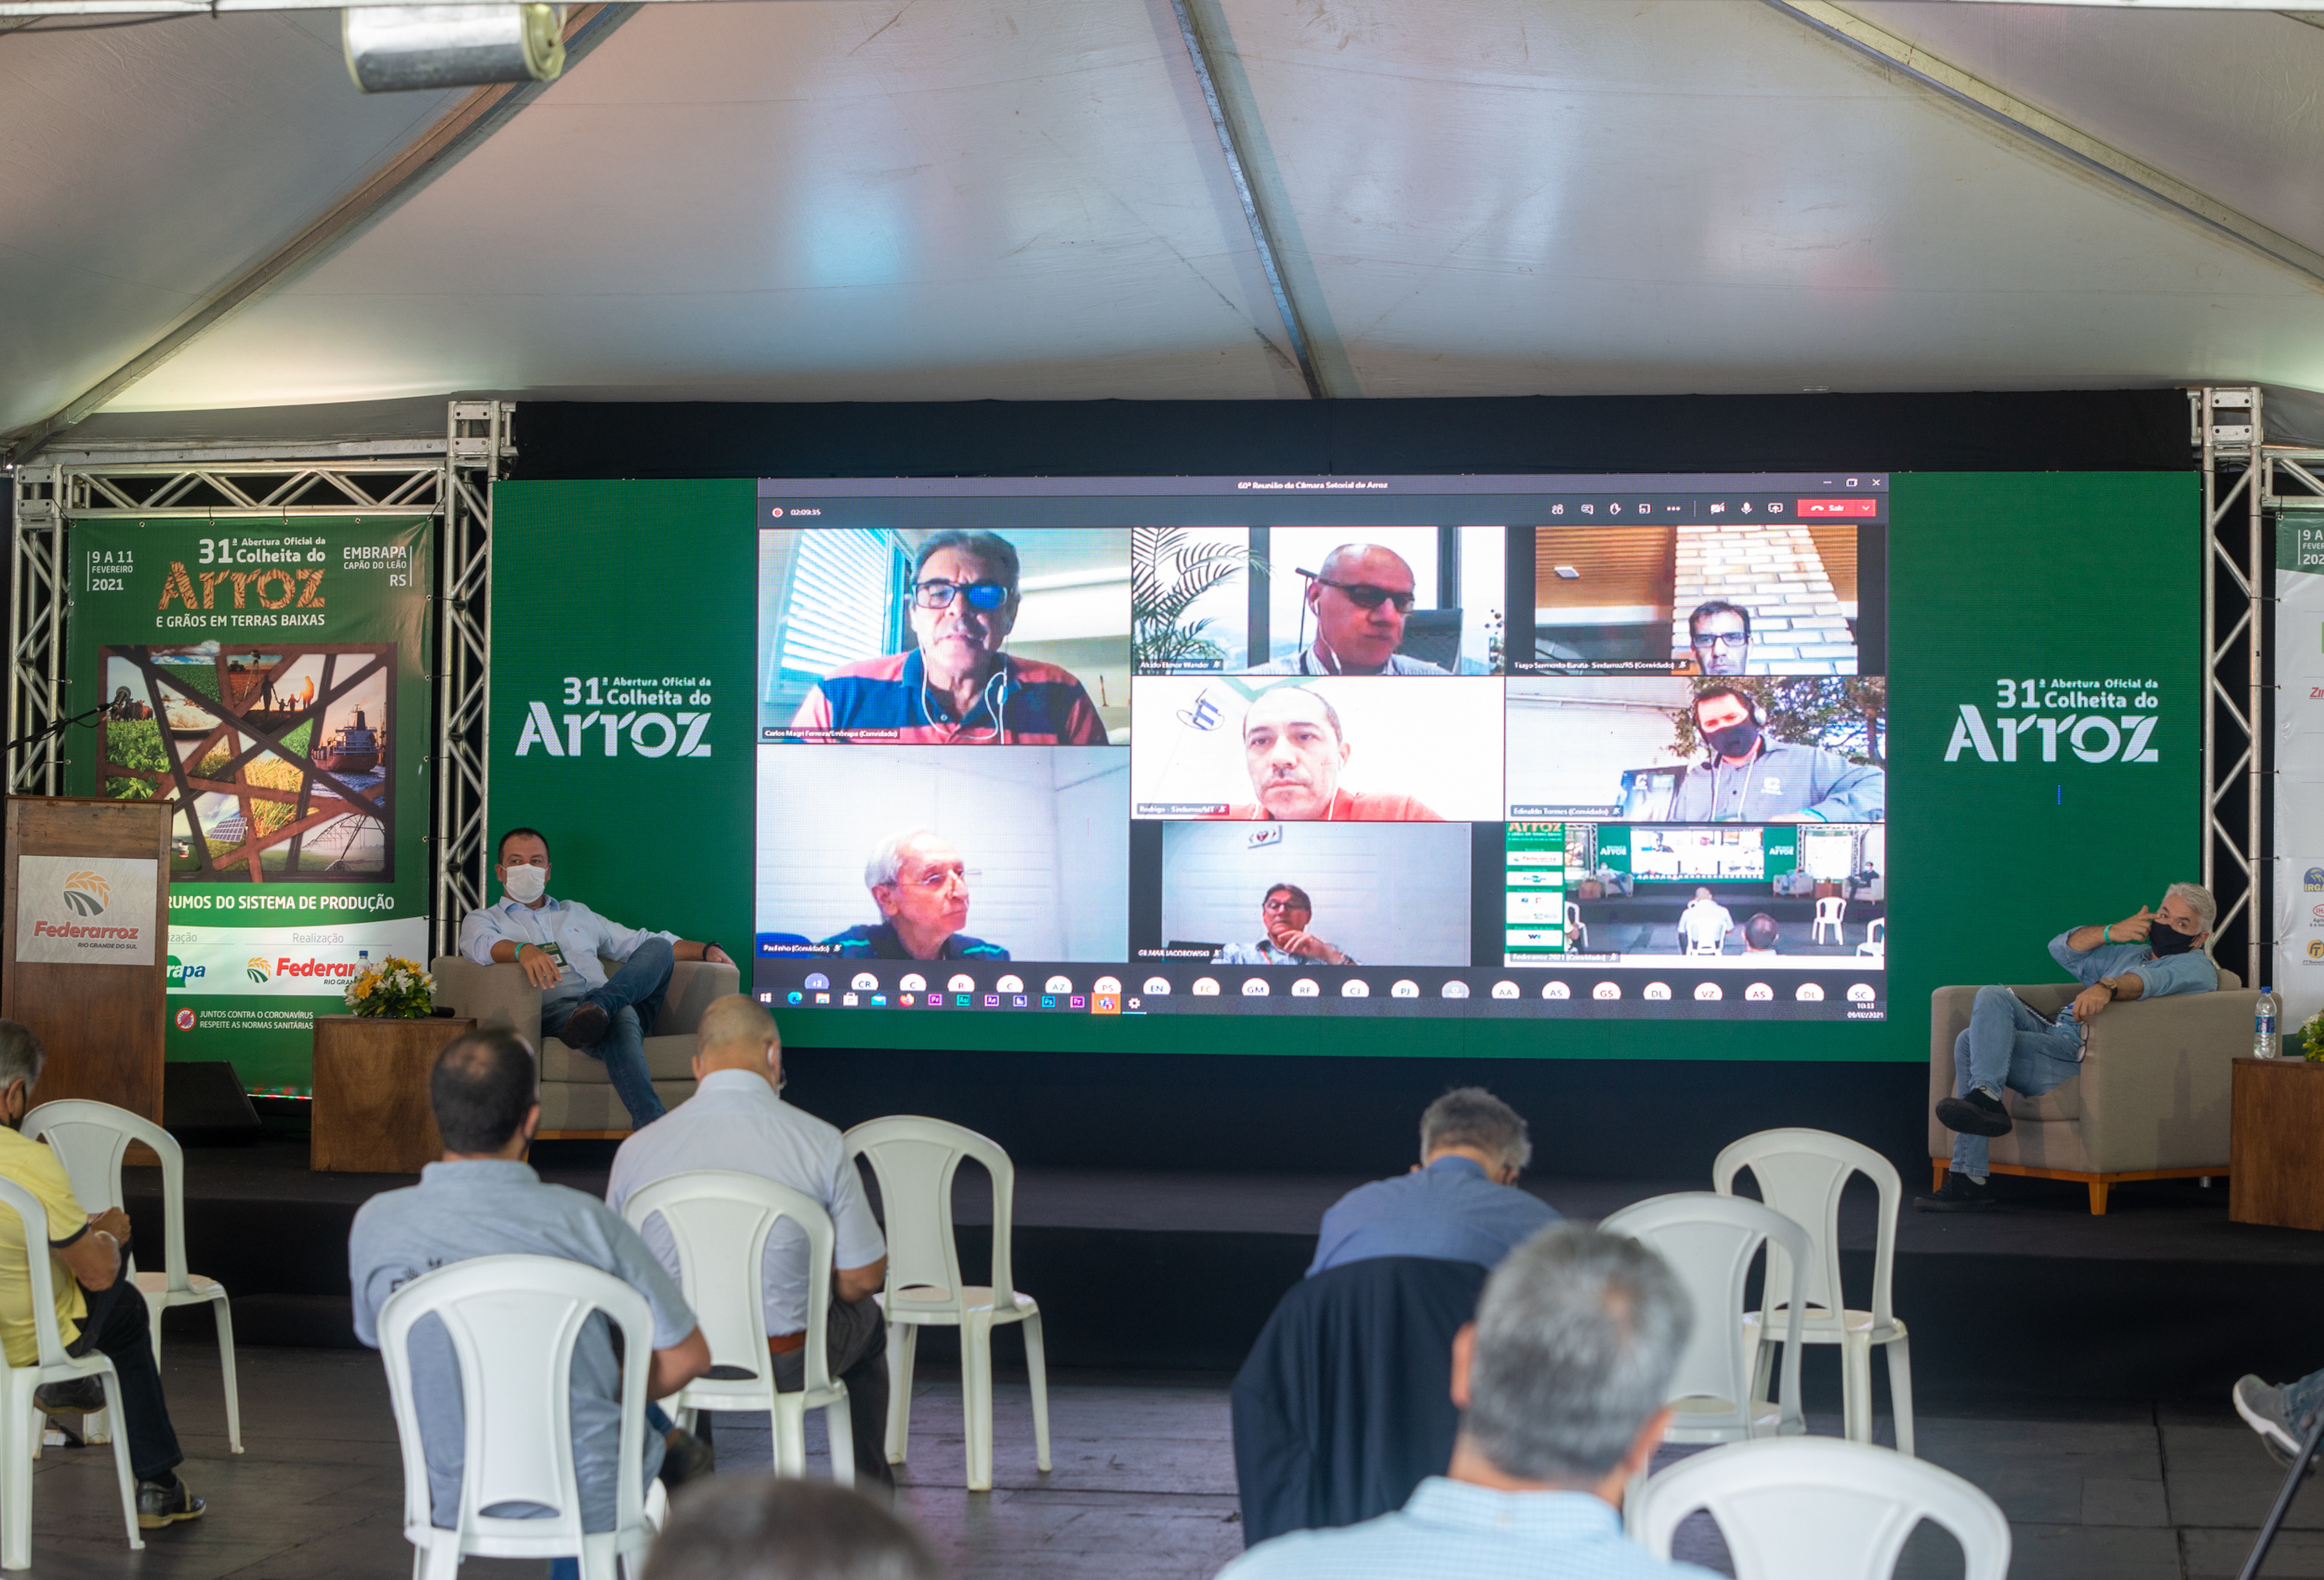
<point x="1510" y="746"/>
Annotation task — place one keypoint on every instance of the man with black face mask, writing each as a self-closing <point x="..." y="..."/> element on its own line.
<point x="2149" y="954"/>
<point x="1751" y="777"/>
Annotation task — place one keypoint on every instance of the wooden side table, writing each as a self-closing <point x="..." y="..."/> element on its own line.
<point x="2276" y="1143"/>
<point x="371" y="1113"/>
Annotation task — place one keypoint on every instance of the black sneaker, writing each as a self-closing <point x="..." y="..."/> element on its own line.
<point x="1975" y="1114"/>
<point x="76" y="1396"/>
<point x="685" y="1456"/>
<point x="585" y="1027"/>
<point x="2261" y="1407"/>
<point x="1962" y="1195"/>
<point x="166" y="1503"/>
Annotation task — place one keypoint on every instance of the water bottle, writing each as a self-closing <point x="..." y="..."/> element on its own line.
<point x="2263" y="1019"/>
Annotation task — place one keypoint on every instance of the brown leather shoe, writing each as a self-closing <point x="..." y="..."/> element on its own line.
<point x="585" y="1027"/>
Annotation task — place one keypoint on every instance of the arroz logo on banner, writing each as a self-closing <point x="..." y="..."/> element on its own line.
<point x="87" y="894"/>
<point x="2110" y="732"/>
<point x="655" y="719"/>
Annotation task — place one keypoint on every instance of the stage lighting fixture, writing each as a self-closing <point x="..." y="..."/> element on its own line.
<point x="412" y="49"/>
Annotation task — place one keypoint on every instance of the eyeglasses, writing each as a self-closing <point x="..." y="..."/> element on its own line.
<point x="985" y="596"/>
<point x="1710" y="639"/>
<point x="1281" y="903"/>
<point x="1367" y="597"/>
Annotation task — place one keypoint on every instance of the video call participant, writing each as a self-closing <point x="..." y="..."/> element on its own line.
<point x="1751" y="777"/>
<point x="1294" y="746"/>
<point x="957" y="688"/>
<point x="2149" y="954"/>
<point x="1359" y="599"/>
<point x="1760" y="934"/>
<point x="1284" y="912"/>
<point x="557" y="943"/>
<point x="1719" y="635"/>
<point x="922" y="887"/>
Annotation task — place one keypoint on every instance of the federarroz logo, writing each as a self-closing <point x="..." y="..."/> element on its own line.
<point x="87" y="894"/>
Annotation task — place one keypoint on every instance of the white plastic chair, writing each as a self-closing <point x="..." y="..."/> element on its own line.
<point x="1875" y="938"/>
<point x="20" y="1420"/>
<point x="90" y="1139"/>
<point x="1818" y="1509"/>
<point x="914" y="1160"/>
<point x="1830" y="912"/>
<point x="719" y="1220"/>
<point x="1576" y="928"/>
<point x="513" y="1322"/>
<point x="1703" y="936"/>
<point x="1709" y="1241"/>
<point x="1800" y="1174"/>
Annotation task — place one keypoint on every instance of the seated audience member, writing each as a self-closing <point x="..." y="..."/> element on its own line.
<point x="1359" y="599"/>
<point x="922" y="887"/>
<point x="1748" y="776"/>
<point x="98" y="1306"/>
<point x="1284" y="914"/>
<point x="737" y="1119"/>
<point x="1560" y="1381"/>
<point x="484" y="1200"/>
<point x="1760" y="934"/>
<point x="782" y="1528"/>
<point x="2282" y="1414"/>
<point x="1719" y="638"/>
<point x="957" y="688"/>
<point x="557" y="942"/>
<point x="1705" y="921"/>
<point x="1461" y="1202"/>
<point x="1294" y="747"/>
<point x="2146" y="956"/>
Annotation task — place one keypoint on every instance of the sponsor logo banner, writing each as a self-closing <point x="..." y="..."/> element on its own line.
<point x="285" y="962"/>
<point x="86" y="910"/>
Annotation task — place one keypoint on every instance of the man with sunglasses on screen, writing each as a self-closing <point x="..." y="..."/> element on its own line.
<point x="1359" y="598"/>
<point x="957" y="688"/>
<point x="2147" y="955"/>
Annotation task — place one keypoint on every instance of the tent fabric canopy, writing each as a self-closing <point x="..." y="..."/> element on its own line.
<point x="820" y="200"/>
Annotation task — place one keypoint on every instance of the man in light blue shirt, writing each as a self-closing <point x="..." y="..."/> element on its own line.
<point x="1459" y="1203"/>
<point x="1561" y="1382"/>
<point x="2147" y="955"/>
<point x="1285" y="912"/>
<point x="737" y="1119"/>
<point x="557" y="943"/>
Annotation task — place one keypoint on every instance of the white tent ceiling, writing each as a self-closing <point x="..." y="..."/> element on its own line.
<point x="947" y="199"/>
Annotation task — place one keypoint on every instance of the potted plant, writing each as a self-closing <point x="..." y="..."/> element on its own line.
<point x="1168" y="573"/>
<point x="395" y="987"/>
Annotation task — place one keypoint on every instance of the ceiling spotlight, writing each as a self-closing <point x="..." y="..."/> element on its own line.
<point x="414" y="48"/>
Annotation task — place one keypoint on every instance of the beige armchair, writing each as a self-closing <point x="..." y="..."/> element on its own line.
<point x="578" y="1097"/>
<point x="2150" y="1103"/>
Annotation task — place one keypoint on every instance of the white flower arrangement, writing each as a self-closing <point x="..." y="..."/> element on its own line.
<point x="395" y="987"/>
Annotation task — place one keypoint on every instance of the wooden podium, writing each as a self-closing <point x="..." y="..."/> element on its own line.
<point x="85" y="943"/>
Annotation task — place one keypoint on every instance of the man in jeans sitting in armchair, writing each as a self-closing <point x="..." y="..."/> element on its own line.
<point x="557" y="943"/>
<point x="2008" y="1044"/>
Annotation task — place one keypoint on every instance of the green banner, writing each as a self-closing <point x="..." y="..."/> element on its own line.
<point x="269" y="681"/>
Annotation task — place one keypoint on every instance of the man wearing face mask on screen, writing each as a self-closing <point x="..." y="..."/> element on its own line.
<point x="1751" y="777"/>
<point x="2147" y="955"/>
<point x="557" y="943"/>
<point x="955" y="687"/>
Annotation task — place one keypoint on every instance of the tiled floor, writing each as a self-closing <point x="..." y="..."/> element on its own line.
<point x="1143" y="1484"/>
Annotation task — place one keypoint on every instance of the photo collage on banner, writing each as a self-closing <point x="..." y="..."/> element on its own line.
<point x="1543" y="747"/>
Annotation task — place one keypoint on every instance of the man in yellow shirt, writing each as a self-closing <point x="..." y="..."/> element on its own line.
<point x="98" y="1308"/>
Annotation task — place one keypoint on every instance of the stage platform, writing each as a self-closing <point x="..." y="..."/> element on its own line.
<point x="2161" y="1298"/>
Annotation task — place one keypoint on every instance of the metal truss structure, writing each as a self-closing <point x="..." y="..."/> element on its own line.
<point x="2238" y="750"/>
<point x="449" y="478"/>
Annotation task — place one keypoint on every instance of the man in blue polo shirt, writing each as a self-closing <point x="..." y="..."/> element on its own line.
<point x="2147" y="955"/>
<point x="1459" y="1203"/>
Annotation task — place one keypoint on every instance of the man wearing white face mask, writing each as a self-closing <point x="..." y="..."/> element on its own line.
<point x="557" y="943"/>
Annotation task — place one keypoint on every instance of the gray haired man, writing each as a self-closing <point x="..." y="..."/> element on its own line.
<point x="1459" y="1203"/>
<point x="1561" y="1382"/>
<point x="922" y="887"/>
<point x="2146" y="955"/>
